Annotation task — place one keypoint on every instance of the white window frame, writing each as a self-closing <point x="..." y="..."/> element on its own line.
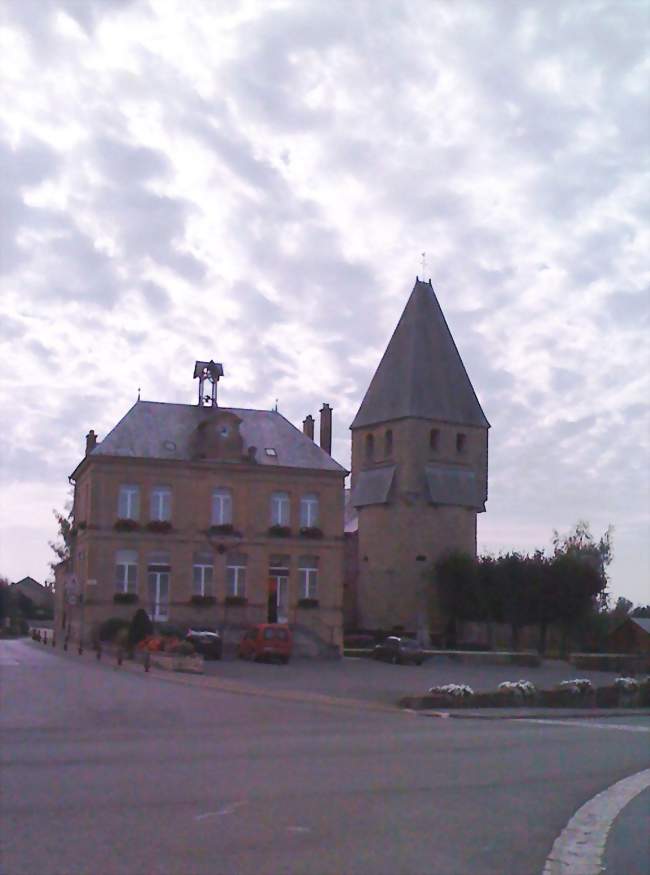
<point x="128" y="500"/>
<point x="160" y="504"/>
<point x="126" y="571"/>
<point x="204" y="585"/>
<point x="308" y="577"/>
<point x="221" y="506"/>
<point x="309" y="510"/>
<point x="236" y="579"/>
<point x="280" y="509"/>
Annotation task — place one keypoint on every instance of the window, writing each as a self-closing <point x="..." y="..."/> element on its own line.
<point x="236" y="575"/>
<point x="158" y="580"/>
<point x="271" y="452"/>
<point x="221" y="507"/>
<point x="309" y="511"/>
<point x="280" y="509"/>
<point x="128" y="504"/>
<point x="388" y="443"/>
<point x="126" y="571"/>
<point x="461" y="442"/>
<point x="202" y="574"/>
<point x="434" y="439"/>
<point x="370" y="447"/>
<point x="160" y="505"/>
<point x="308" y="577"/>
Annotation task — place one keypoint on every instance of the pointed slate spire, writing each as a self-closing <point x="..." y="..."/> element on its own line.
<point x="421" y="373"/>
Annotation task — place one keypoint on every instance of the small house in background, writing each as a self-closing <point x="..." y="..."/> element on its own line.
<point x="632" y="636"/>
<point x="41" y="597"/>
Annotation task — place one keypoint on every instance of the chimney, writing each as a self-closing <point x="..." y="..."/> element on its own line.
<point x="308" y="426"/>
<point x="91" y="441"/>
<point x="326" y="428"/>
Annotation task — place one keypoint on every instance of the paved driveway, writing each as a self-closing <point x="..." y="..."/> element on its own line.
<point x="382" y="682"/>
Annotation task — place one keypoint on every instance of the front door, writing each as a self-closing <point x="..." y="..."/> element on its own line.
<point x="278" y="607"/>
<point x="159" y="595"/>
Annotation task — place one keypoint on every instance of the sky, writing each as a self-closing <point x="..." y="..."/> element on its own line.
<point x="255" y="182"/>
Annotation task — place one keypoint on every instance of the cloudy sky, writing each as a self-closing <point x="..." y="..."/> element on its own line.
<point x="255" y="182"/>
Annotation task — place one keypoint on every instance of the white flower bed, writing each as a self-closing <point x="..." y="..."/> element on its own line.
<point x="576" y="685"/>
<point x="525" y="689"/>
<point x="461" y="691"/>
<point x="630" y="685"/>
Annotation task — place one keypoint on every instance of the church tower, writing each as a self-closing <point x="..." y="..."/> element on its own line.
<point x="419" y="468"/>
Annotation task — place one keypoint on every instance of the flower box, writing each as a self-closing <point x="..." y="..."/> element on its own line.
<point x="125" y="598"/>
<point x="160" y="527"/>
<point x="311" y="532"/>
<point x="223" y="529"/>
<point x="203" y="600"/>
<point x="172" y="662"/>
<point x="276" y="531"/>
<point x="235" y="601"/>
<point x="126" y="525"/>
<point x="308" y="603"/>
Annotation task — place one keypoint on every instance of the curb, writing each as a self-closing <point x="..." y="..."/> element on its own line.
<point x="539" y="714"/>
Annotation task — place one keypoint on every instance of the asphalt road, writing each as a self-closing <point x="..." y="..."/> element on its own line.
<point x="107" y="772"/>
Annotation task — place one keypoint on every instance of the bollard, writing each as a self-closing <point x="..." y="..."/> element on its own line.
<point x="99" y="652"/>
<point x="119" y="656"/>
<point x="147" y="660"/>
<point x="44" y="637"/>
<point x="65" y="643"/>
<point x="53" y="640"/>
<point x="81" y="650"/>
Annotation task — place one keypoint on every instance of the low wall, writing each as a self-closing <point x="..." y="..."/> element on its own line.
<point x="528" y="658"/>
<point x="630" y="663"/>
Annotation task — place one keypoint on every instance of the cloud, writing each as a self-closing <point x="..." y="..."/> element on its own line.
<point x="255" y="183"/>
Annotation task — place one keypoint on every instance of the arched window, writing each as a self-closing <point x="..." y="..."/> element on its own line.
<point x="434" y="440"/>
<point x="370" y="447"/>
<point x="388" y="443"/>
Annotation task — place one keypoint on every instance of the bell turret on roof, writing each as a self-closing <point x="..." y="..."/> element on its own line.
<point x="421" y="373"/>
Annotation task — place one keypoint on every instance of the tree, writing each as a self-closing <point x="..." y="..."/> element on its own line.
<point x="140" y="627"/>
<point x="62" y="546"/>
<point x="455" y="579"/>
<point x="643" y="611"/>
<point x="580" y="544"/>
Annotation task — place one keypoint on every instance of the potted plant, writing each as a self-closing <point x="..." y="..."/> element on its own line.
<point x="126" y="525"/>
<point x="311" y="532"/>
<point x="222" y="529"/>
<point x="236" y="600"/>
<point x="125" y="598"/>
<point x="308" y="603"/>
<point x="278" y="531"/>
<point x="202" y="600"/>
<point x="160" y="527"/>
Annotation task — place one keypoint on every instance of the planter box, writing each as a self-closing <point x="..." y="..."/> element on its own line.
<point x="125" y="598"/>
<point x="126" y="525"/>
<point x="202" y="600"/>
<point x="171" y="662"/>
<point x="160" y="527"/>
<point x="280" y="531"/>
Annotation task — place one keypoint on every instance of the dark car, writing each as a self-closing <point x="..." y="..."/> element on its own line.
<point x="207" y="642"/>
<point x="399" y="651"/>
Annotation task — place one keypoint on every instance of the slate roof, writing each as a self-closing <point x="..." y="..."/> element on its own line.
<point x="421" y="373"/>
<point x="456" y="486"/>
<point x="373" y="486"/>
<point x="156" y="430"/>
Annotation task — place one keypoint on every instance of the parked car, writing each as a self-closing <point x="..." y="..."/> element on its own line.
<point x="399" y="651"/>
<point x="207" y="642"/>
<point x="266" y="641"/>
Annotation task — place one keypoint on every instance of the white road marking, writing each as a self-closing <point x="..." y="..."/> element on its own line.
<point x="222" y="812"/>
<point x="298" y="829"/>
<point x="579" y="848"/>
<point x="587" y="724"/>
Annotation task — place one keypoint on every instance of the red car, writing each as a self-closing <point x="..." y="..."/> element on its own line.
<point x="266" y="641"/>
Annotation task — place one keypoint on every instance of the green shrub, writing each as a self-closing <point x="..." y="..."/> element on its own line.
<point x="140" y="627"/>
<point x="110" y="627"/>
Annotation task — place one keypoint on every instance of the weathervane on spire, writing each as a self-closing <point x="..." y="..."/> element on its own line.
<point x="424" y="266"/>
